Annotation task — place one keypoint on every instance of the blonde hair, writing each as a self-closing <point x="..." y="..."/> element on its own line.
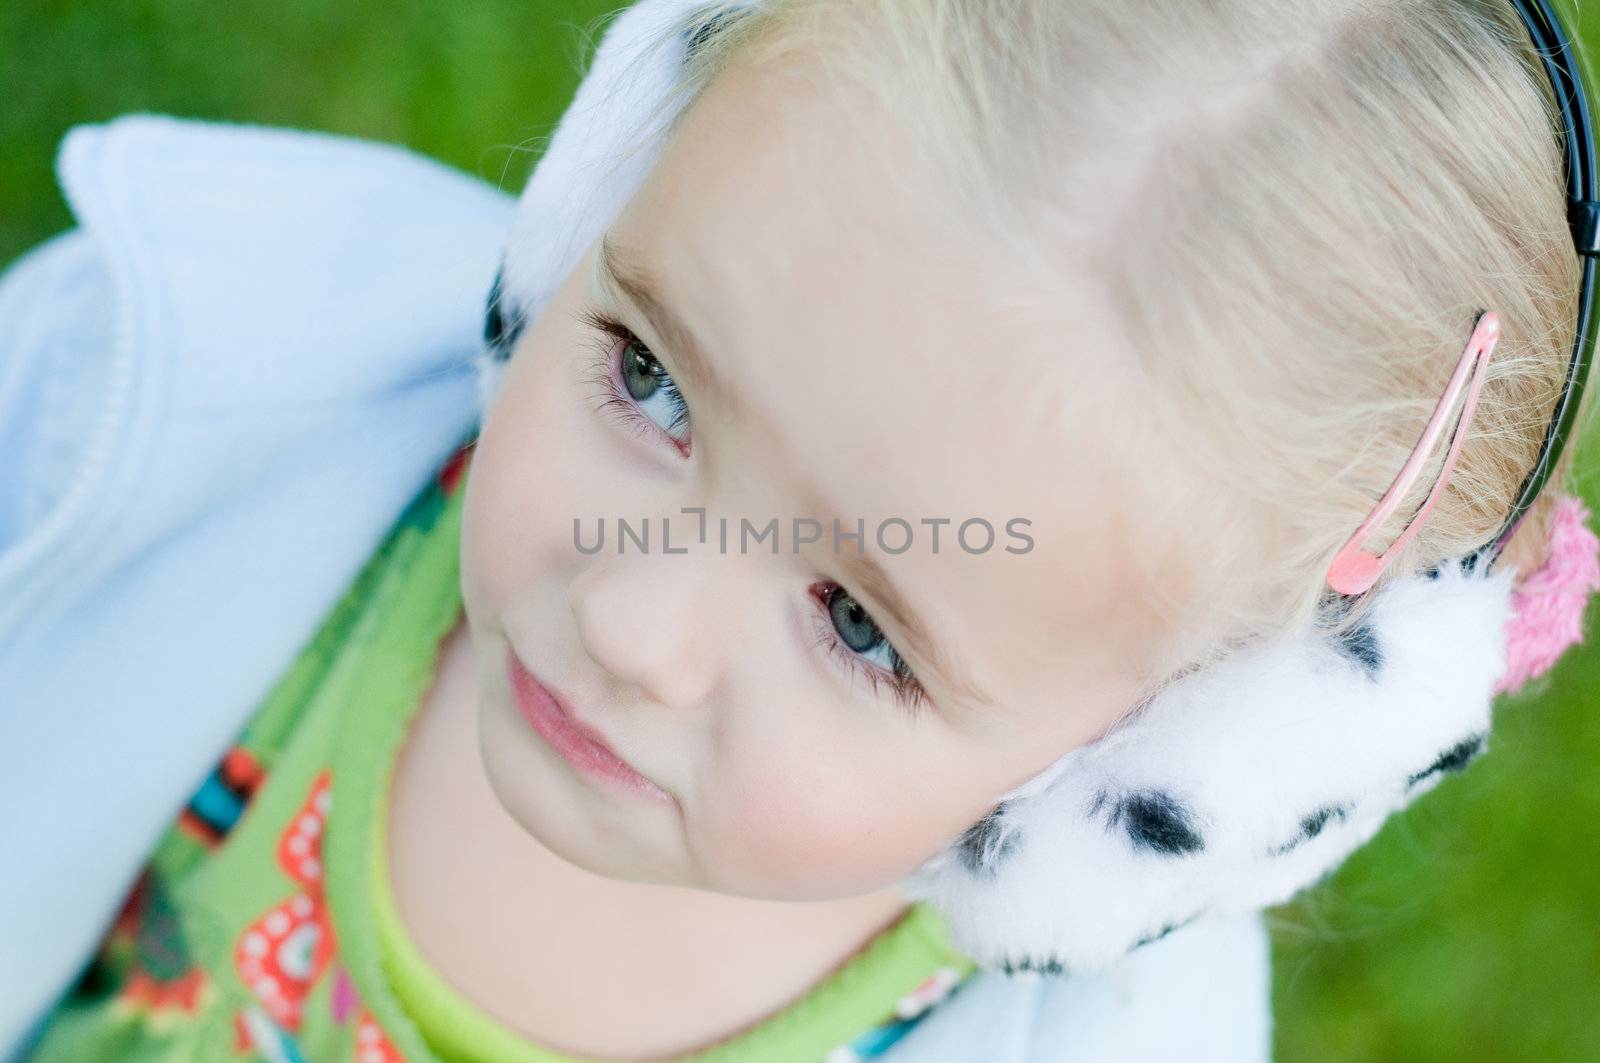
<point x="1312" y="200"/>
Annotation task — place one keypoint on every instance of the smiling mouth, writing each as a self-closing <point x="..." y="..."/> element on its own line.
<point x="578" y="744"/>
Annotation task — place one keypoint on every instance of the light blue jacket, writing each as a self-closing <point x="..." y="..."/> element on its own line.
<point x="216" y="394"/>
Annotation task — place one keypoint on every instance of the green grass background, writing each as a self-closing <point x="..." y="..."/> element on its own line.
<point x="1468" y="930"/>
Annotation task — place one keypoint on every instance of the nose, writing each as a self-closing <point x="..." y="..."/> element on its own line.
<point x="665" y="623"/>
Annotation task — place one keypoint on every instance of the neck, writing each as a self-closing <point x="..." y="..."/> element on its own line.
<point x="571" y="960"/>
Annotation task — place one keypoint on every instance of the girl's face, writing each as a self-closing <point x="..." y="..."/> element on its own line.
<point x="815" y="722"/>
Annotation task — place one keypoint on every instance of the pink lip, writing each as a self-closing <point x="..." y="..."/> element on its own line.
<point x="580" y="745"/>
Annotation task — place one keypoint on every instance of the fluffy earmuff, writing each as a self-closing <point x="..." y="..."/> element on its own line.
<point x="1233" y="788"/>
<point x="608" y="138"/>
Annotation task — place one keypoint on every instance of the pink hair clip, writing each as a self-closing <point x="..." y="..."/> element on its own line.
<point x="1354" y="570"/>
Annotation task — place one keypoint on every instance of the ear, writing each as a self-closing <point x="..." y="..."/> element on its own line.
<point x="1234" y="787"/>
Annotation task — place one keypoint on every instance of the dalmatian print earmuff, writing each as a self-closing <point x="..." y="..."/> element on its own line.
<point x="1237" y="784"/>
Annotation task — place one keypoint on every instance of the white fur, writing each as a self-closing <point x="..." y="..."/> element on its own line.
<point x="1251" y="747"/>
<point x="595" y="160"/>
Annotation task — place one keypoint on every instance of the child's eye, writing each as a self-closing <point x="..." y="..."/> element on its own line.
<point x="850" y="634"/>
<point x="647" y="398"/>
<point x="635" y="385"/>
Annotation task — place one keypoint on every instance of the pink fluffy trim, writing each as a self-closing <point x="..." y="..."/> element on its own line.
<point x="1548" y="608"/>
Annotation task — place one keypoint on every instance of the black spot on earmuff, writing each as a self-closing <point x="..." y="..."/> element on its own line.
<point x="696" y="35"/>
<point x="1164" y="931"/>
<point x="977" y="846"/>
<point x="1455" y="758"/>
<point x="1360" y="644"/>
<point x="497" y="335"/>
<point x="1157" y="821"/>
<point x="1045" y="965"/>
<point x="1311" y="825"/>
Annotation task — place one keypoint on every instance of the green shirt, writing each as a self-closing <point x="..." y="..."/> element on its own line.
<point x="263" y="927"/>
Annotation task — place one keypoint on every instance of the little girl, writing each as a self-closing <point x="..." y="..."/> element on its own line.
<point x="882" y="403"/>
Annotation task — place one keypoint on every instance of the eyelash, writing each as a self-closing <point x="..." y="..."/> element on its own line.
<point x="614" y="401"/>
<point x="906" y="689"/>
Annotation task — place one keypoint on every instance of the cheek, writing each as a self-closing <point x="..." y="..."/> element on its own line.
<point x="814" y="817"/>
<point x="530" y="471"/>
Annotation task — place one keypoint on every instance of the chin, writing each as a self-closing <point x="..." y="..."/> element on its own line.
<point x="555" y="808"/>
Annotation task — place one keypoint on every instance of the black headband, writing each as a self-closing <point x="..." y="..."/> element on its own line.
<point x="1565" y="66"/>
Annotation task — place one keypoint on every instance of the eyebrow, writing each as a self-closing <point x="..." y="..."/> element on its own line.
<point x="618" y="271"/>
